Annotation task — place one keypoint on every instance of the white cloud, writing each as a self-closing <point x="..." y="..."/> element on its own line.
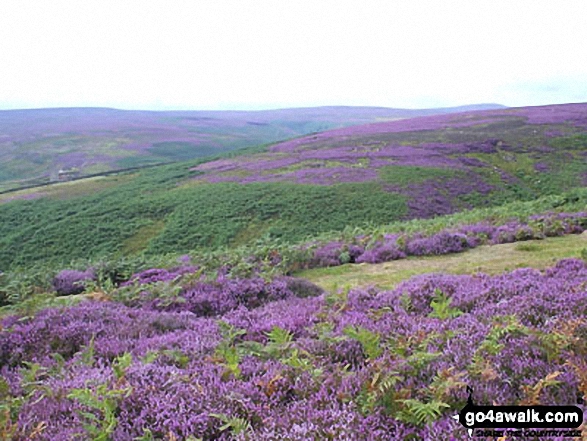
<point x="267" y="53"/>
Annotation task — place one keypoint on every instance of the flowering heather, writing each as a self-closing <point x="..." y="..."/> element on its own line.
<point x="487" y="157"/>
<point x="358" y="366"/>
<point x="454" y="240"/>
<point x="435" y="122"/>
<point x="68" y="282"/>
<point x="154" y="275"/>
<point x="440" y="243"/>
<point x="333" y="253"/>
<point x="572" y="114"/>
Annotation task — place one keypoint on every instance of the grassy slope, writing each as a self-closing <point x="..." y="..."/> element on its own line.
<point x="509" y="151"/>
<point x="490" y="259"/>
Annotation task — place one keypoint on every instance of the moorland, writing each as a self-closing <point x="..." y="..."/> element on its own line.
<point x="347" y="284"/>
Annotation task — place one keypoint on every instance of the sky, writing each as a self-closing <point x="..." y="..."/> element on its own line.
<point x="263" y="54"/>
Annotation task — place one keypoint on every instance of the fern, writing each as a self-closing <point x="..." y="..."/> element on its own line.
<point x="279" y="336"/>
<point x="227" y="351"/>
<point x="580" y="367"/>
<point x="254" y="348"/>
<point x="88" y="353"/>
<point x="533" y="392"/>
<point x="10" y="405"/>
<point x="149" y="357"/>
<point x="441" y="308"/>
<point x="236" y="425"/>
<point x="9" y="410"/>
<point x="370" y="341"/>
<point x="444" y="383"/>
<point x="302" y="360"/>
<point x="228" y="332"/>
<point x="406" y="302"/>
<point x="379" y="391"/>
<point x="105" y="402"/>
<point x="414" y="349"/>
<point x="180" y="359"/>
<point x="376" y="314"/>
<point x="491" y="345"/>
<point x="562" y="338"/>
<point x="419" y="413"/>
<point x="29" y="374"/>
<point x="121" y="365"/>
<point x="229" y="358"/>
<point x="338" y="298"/>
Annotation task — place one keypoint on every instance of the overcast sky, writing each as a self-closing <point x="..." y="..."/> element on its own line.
<point x="255" y="54"/>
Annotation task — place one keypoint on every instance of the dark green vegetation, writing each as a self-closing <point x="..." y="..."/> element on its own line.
<point x="151" y="213"/>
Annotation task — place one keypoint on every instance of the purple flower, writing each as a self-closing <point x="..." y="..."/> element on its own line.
<point x="69" y="282"/>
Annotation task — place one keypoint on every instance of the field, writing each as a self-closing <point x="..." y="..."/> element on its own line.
<point x="354" y="284"/>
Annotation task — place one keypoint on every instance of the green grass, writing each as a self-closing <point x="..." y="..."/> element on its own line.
<point x="490" y="259"/>
<point x="181" y="151"/>
<point x="403" y="175"/>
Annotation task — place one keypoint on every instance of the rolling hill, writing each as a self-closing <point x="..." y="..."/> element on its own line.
<point x="35" y="144"/>
<point x="440" y="163"/>
<point x="375" y="173"/>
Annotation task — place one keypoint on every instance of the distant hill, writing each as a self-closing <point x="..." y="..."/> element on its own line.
<point x="36" y="144"/>
<point x="441" y="163"/>
<point x="373" y="173"/>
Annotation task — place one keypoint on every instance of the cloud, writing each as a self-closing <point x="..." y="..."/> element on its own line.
<point x="264" y="53"/>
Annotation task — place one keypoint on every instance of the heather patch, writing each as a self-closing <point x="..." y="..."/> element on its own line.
<point x="68" y="282"/>
<point x="348" y="365"/>
<point x="370" y="249"/>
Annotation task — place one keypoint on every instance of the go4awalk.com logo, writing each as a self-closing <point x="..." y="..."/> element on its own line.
<point x="520" y="421"/>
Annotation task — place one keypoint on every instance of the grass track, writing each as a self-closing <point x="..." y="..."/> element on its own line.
<point x="490" y="259"/>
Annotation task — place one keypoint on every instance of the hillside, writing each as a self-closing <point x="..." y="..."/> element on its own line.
<point x="35" y="144"/>
<point x="440" y="163"/>
<point x="169" y="354"/>
<point x="239" y="343"/>
<point x="371" y="174"/>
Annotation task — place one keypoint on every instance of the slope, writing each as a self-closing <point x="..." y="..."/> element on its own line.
<point x="35" y="144"/>
<point x="377" y="174"/>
